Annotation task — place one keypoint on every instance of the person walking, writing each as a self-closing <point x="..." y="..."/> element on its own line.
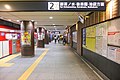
<point x="55" y="38"/>
<point x="64" y="40"/>
<point x="58" y="39"/>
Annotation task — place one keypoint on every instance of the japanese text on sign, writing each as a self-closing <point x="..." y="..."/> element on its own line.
<point x="75" y="5"/>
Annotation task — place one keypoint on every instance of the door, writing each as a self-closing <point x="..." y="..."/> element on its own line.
<point x="0" y="49"/>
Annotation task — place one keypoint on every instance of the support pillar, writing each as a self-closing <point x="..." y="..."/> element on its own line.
<point x="79" y="37"/>
<point x="49" y="35"/>
<point x="27" y="38"/>
<point x="46" y="37"/>
<point x="41" y="37"/>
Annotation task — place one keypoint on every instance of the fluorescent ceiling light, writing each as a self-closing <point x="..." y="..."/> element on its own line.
<point x="18" y="20"/>
<point x="7" y="6"/>
<point x="32" y="20"/>
<point x="9" y="20"/>
<point x="108" y="0"/>
<point x="53" y="24"/>
<point x="50" y="17"/>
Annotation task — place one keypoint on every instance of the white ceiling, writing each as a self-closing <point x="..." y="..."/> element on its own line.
<point x="62" y="19"/>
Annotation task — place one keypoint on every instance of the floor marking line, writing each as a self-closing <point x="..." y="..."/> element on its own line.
<point x="93" y="70"/>
<point x="3" y="62"/>
<point x="28" y="72"/>
<point x="6" y="65"/>
<point x="6" y="59"/>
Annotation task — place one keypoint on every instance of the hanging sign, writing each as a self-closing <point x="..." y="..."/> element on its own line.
<point x="65" y="6"/>
<point x="77" y="5"/>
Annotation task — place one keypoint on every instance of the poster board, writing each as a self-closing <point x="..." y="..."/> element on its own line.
<point x="84" y="37"/>
<point x="74" y="34"/>
<point x="114" y="53"/>
<point x="114" y="32"/>
<point x="99" y="30"/>
<point x="91" y="38"/>
<point x="101" y="39"/>
<point x="41" y="36"/>
<point x="68" y="37"/>
<point x="99" y="42"/>
<point x="90" y="44"/>
<point x="26" y="37"/>
<point x="91" y="31"/>
<point x="104" y="46"/>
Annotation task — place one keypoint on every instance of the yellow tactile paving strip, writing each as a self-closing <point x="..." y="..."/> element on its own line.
<point x="28" y="72"/>
<point x="3" y="62"/>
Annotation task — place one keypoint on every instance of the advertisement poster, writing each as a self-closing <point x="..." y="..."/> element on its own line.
<point x="118" y="55"/>
<point x="41" y="36"/>
<point x="104" y="25"/>
<point x="101" y="39"/>
<point x="90" y="44"/>
<point x="91" y="38"/>
<point x="104" y="46"/>
<point x="91" y="31"/>
<point x="26" y="38"/>
<point x="74" y="36"/>
<point x="114" y="38"/>
<point x="68" y="37"/>
<point x="99" y="43"/>
<point x="114" y="54"/>
<point x="114" y="32"/>
<point x="99" y="30"/>
<point x="84" y="36"/>
<point x="101" y="46"/>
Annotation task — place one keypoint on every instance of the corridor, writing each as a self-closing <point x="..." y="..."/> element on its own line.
<point x="55" y="62"/>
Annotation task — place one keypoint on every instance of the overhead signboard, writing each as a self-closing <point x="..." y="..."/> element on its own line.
<point x="55" y="6"/>
<point x="77" y="5"/>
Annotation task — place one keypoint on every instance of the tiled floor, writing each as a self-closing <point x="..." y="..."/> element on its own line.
<point x="60" y="63"/>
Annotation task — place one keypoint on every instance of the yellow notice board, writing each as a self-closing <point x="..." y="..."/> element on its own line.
<point x="90" y="44"/>
<point x="91" y="31"/>
<point x="91" y="38"/>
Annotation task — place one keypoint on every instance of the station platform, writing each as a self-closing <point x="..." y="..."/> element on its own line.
<point x="55" y="62"/>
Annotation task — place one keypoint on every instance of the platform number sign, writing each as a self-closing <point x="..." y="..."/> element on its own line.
<point x="53" y="6"/>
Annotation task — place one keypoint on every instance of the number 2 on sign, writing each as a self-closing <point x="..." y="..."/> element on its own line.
<point x="53" y="5"/>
